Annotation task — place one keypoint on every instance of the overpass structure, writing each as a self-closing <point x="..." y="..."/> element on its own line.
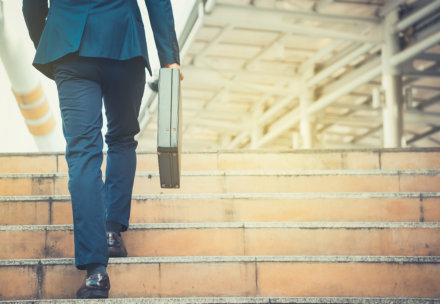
<point x="281" y="74"/>
<point x="312" y="74"/>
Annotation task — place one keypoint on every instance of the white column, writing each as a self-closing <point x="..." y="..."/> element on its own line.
<point x="257" y="129"/>
<point x="392" y="86"/>
<point x="26" y="86"/>
<point x="296" y="140"/>
<point x="306" y="123"/>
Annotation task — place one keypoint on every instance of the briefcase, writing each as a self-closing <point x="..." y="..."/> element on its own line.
<point x="169" y="128"/>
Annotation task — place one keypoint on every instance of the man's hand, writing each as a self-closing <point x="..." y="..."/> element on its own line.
<point x="175" y="66"/>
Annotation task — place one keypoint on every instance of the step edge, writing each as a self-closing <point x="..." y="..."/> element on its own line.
<point x="242" y="225"/>
<point x="338" y="172"/>
<point x="257" y="151"/>
<point x="266" y="195"/>
<point x="235" y="259"/>
<point x="239" y="300"/>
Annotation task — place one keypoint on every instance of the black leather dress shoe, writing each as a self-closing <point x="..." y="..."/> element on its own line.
<point x="94" y="286"/>
<point x="116" y="248"/>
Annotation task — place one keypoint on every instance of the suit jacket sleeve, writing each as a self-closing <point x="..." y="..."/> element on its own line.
<point x="35" y="13"/>
<point x="162" y="23"/>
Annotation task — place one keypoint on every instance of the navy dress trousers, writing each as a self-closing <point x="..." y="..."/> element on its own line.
<point x="96" y="52"/>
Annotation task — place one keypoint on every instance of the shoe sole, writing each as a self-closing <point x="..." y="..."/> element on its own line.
<point x="93" y="294"/>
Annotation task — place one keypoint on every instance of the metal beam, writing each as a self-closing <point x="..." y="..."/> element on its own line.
<point x="213" y="113"/>
<point x="428" y="57"/>
<point x="356" y="78"/>
<point x="411" y="116"/>
<point x="437" y="142"/>
<point x="339" y="145"/>
<point x="417" y="16"/>
<point x="238" y="139"/>
<point x="390" y="6"/>
<point x="415" y="49"/>
<point x="310" y="62"/>
<point x="350" y="112"/>
<point x="366" y="134"/>
<point x="264" y="49"/>
<point x="347" y="50"/>
<point x="423" y="74"/>
<point x="433" y="130"/>
<point x="337" y="65"/>
<point x="197" y="58"/>
<point x="420" y="117"/>
<point x="274" y="109"/>
<point x="428" y="88"/>
<point x="301" y="14"/>
<point x="205" y="106"/>
<point x="352" y="76"/>
<point x="319" y="55"/>
<point x="360" y="122"/>
<point x="220" y="81"/>
<point x="216" y="124"/>
<point x="261" y="19"/>
<point x="430" y="102"/>
<point x="240" y="72"/>
<point x="247" y="131"/>
<point x="355" y="107"/>
<point x="319" y="5"/>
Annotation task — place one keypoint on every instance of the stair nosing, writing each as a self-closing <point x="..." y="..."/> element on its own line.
<point x="243" y="225"/>
<point x="265" y="195"/>
<point x="240" y="300"/>
<point x="237" y="259"/>
<point x="258" y="151"/>
<point x="335" y="172"/>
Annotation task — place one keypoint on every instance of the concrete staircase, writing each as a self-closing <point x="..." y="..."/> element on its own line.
<point x="334" y="226"/>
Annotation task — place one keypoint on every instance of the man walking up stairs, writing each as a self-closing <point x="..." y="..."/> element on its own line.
<point x="358" y="226"/>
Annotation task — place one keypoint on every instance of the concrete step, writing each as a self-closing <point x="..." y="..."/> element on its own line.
<point x="239" y="207"/>
<point x="238" y="300"/>
<point x="265" y="276"/>
<point x="236" y="239"/>
<point x="245" y="182"/>
<point x="408" y="158"/>
<point x="323" y="226"/>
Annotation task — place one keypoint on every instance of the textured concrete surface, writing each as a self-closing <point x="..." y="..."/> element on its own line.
<point x="239" y="300"/>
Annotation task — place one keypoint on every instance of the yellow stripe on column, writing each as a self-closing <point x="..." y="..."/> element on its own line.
<point x="31" y="97"/>
<point x="35" y="108"/>
<point x="37" y="112"/>
<point x="43" y="128"/>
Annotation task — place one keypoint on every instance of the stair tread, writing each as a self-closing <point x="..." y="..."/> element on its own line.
<point x="331" y="172"/>
<point x="233" y="159"/>
<point x="230" y="225"/>
<point x="237" y="259"/>
<point x="262" y="195"/>
<point x="240" y="300"/>
<point x="265" y="273"/>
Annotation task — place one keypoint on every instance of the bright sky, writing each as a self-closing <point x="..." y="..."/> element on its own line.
<point x="14" y="136"/>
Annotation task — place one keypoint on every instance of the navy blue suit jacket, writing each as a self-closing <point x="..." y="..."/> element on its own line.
<point x="98" y="28"/>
